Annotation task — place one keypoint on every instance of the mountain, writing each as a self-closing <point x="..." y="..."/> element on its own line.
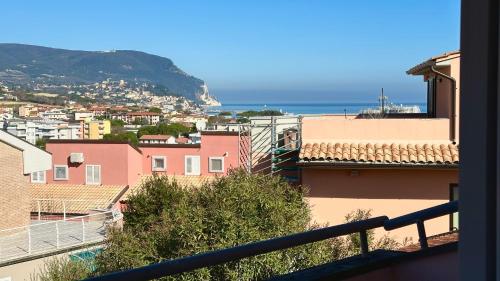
<point x="22" y="64"/>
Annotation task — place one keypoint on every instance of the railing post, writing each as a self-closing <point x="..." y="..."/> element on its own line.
<point x="29" y="239"/>
<point x="64" y="209"/>
<point x="363" y="239"/>
<point x="39" y="210"/>
<point x="422" y="237"/>
<point x="83" y="231"/>
<point x="57" y="235"/>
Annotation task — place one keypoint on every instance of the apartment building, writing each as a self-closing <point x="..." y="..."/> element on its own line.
<point x="21" y="163"/>
<point x="33" y="129"/>
<point x="96" y="129"/>
<point x="150" y="118"/>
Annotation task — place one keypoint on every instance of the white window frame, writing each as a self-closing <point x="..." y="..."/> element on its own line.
<point x="185" y="166"/>
<point x="55" y="173"/>
<point x="100" y="175"/>
<point x="211" y="169"/>
<point x="156" y="169"/>
<point x="44" y="173"/>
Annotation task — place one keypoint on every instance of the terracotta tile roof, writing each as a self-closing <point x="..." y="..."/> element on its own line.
<point x="383" y="153"/>
<point x="155" y="137"/>
<point x="76" y="198"/>
<point x="432" y="61"/>
<point x="142" y="114"/>
<point x="433" y="241"/>
<point x="188" y="181"/>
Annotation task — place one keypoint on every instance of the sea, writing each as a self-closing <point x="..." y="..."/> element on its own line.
<point x="303" y="108"/>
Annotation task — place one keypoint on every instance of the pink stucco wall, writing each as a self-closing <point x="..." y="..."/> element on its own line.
<point x="391" y="192"/>
<point x="114" y="158"/>
<point x="121" y="164"/>
<point x="331" y="127"/>
<point x="211" y="146"/>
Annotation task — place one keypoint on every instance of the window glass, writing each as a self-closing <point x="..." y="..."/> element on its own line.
<point x="93" y="174"/>
<point x="192" y="165"/>
<point x="159" y="163"/>
<point x="216" y="165"/>
<point x="454" y="216"/>
<point x="60" y="172"/>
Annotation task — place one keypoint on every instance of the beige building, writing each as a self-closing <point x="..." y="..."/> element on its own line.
<point x="96" y="129"/>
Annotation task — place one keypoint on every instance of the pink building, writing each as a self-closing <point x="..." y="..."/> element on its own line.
<point x="393" y="164"/>
<point x="97" y="162"/>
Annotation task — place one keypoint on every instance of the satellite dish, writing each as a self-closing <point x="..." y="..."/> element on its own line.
<point x="201" y="125"/>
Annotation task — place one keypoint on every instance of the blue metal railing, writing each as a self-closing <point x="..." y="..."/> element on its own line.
<point x="217" y="257"/>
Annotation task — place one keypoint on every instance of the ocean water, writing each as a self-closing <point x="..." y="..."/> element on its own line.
<point x="305" y="108"/>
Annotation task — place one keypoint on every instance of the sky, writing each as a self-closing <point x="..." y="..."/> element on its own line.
<point x="258" y="50"/>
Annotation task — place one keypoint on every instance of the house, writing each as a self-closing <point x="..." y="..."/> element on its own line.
<point x="162" y="139"/>
<point x="150" y="118"/>
<point x="118" y="163"/>
<point x="390" y="165"/>
<point x="20" y="162"/>
<point x="33" y="129"/>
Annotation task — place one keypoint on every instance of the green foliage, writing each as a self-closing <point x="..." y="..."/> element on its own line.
<point x="60" y="269"/>
<point x="253" y="113"/>
<point x="165" y="220"/>
<point x="173" y="129"/>
<point x="155" y="110"/>
<point x="40" y="143"/>
<point x="124" y="136"/>
<point x="225" y="113"/>
<point x="117" y="123"/>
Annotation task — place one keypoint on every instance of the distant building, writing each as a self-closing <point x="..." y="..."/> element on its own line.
<point x="150" y="118"/>
<point x="83" y="115"/>
<point x="34" y="129"/>
<point x="28" y="110"/>
<point x="96" y="129"/>
<point x="54" y="114"/>
<point x="158" y="139"/>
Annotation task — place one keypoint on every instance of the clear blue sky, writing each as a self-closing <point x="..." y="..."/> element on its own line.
<point x="251" y="50"/>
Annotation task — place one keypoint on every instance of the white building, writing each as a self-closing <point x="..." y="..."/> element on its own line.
<point x="54" y="114"/>
<point x="83" y="115"/>
<point x="31" y="130"/>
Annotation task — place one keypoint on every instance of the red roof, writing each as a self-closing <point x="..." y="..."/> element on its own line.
<point x="155" y="137"/>
<point x="142" y="114"/>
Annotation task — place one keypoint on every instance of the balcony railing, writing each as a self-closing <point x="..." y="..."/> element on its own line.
<point x="217" y="257"/>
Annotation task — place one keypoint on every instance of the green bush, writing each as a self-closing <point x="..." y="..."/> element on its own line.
<point x="60" y="269"/>
<point x="165" y="220"/>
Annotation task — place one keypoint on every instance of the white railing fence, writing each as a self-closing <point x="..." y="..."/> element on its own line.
<point x="47" y="209"/>
<point x="45" y="237"/>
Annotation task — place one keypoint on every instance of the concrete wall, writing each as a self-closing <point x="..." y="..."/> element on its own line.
<point x="392" y="192"/>
<point x="14" y="189"/>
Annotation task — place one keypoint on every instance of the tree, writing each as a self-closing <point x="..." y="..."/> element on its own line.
<point x="140" y="121"/>
<point x="173" y="129"/>
<point x="124" y="136"/>
<point x="155" y="110"/>
<point x="164" y="220"/>
<point x="41" y="143"/>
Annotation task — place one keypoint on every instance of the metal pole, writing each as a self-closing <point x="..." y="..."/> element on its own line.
<point x="64" y="209"/>
<point x="83" y="231"/>
<point x="422" y="237"/>
<point x="57" y="235"/>
<point x="29" y="239"/>
<point x="363" y="239"/>
<point x="39" y="211"/>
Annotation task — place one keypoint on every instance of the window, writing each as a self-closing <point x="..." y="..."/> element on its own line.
<point x="454" y="216"/>
<point x="216" y="164"/>
<point x="159" y="163"/>
<point x="38" y="177"/>
<point x="192" y="166"/>
<point x="60" y="172"/>
<point x="93" y="174"/>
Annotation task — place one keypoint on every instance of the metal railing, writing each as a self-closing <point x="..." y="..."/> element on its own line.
<point x="217" y="257"/>
<point x="65" y="207"/>
<point x="46" y="237"/>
